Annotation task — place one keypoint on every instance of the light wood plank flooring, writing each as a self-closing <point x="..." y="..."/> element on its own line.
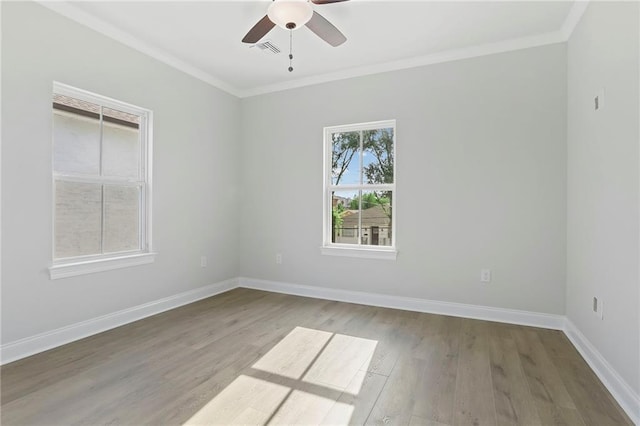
<point x="251" y="357"/>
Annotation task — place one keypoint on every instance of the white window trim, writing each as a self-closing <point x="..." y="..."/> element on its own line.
<point x="363" y="253"/>
<point x="80" y="265"/>
<point x="72" y="269"/>
<point x="352" y="250"/>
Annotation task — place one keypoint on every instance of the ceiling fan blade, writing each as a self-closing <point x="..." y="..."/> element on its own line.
<point x="259" y="30"/>
<point x="326" y="1"/>
<point x="325" y="30"/>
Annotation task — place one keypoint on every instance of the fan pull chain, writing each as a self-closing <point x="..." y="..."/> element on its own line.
<point x="290" y="50"/>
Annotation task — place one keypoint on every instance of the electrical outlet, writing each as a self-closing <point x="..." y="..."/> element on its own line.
<point x="279" y="258"/>
<point x="597" y="307"/>
<point x="485" y="275"/>
<point x="203" y="261"/>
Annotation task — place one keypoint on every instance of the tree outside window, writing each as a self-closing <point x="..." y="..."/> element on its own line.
<point x="360" y="184"/>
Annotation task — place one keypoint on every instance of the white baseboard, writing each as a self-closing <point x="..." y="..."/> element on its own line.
<point x="621" y="391"/>
<point x="41" y="342"/>
<point x="511" y="316"/>
<point x="628" y="399"/>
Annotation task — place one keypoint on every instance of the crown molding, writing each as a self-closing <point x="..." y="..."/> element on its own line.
<point x="562" y="35"/>
<point x="441" y="57"/>
<point x="573" y="18"/>
<point x="72" y="12"/>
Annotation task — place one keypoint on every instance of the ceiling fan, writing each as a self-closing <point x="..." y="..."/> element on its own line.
<point x="293" y="14"/>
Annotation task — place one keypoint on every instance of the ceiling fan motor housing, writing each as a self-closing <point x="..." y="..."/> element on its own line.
<point x="293" y="14"/>
<point x="290" y="14"/>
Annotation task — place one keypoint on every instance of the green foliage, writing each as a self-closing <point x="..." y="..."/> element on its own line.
<point x="377" y="143"/>
<point x="380" y="143"/>
<point x="344" y="147"/>
<point x="369" y="200"/>
<point x="337" y="219"/>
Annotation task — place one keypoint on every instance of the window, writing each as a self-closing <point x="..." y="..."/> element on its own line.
<point x="101" y="183"/>
<point x="359" y="190"/>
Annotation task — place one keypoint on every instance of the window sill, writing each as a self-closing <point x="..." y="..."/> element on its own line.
<point x="364" y="253"/>
<point x="65" y="270"/>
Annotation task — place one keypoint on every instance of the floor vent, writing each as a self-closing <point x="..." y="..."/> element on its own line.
<point x="267" y="47"/>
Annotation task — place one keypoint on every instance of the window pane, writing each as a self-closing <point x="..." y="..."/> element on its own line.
<point x="376" y="218"/>
<point x="345" y="158"/>
<point x="344" y="230"/>
<point x="76" y="136"/>
<point x="377" y="156"/>
<point x="120" y="143"/>
<point x="78" y="219"/>
<point x="121" y="222"/>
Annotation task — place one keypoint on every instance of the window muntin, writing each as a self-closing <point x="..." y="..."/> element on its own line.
<point x="360" y="186"/>
<point x="101" y="177"/>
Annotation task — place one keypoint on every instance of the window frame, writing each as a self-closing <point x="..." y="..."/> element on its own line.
<point x="85" y="264"/>
<point x="356" y="250"/>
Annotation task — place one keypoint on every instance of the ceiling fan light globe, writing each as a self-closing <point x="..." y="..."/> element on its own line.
<point x="283" y="13"/>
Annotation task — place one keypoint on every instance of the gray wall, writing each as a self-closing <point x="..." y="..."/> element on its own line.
<point x="603" y="172"/>
<point x="481" y="179"/>
<point x="484" y="175"/>
<point x="195" y="172"/>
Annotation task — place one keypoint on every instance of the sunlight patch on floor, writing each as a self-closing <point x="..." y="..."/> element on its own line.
<point x="246" y="400"/>
<point x="293" y="355"/>
<point x="340" y="361"/>
<point x="302" y="379"/>
<point x="304" y="408"/>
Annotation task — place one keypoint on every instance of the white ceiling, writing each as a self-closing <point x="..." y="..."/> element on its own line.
<point x="203" y="37"/>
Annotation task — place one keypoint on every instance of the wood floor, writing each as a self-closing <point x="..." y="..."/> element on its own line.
<point x="251" y="357"/>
